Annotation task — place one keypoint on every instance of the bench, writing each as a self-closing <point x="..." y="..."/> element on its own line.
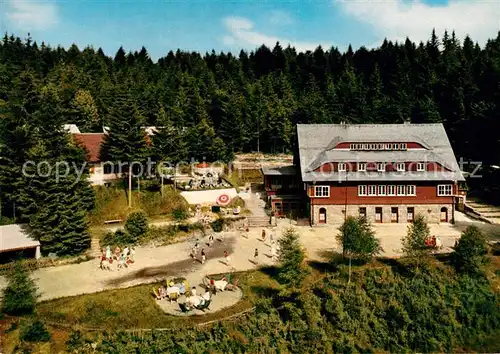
<point x="112" y="221"/>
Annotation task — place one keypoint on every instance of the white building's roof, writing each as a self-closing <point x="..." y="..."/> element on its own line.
<point x="14" y="237"/>
<point x="71" y="128"/>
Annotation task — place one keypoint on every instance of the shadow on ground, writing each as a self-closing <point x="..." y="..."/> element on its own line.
<point x="175" y="268"/>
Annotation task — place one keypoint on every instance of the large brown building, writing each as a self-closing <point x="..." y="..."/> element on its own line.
<point x="386" y="172"/>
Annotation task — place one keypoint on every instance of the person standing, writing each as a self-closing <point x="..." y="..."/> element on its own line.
<point x="132" y="254"/>
<point x="256" y="256"/>
<point x="228" y="259"/>
<point x="210" y="240"/>
<point x="271" y="238"/>
<point x="203" y="256"/>
<point x="263" y="235"/>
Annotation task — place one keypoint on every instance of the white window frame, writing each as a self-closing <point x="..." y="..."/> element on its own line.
<point x="396" y="146"/>
<point x="404" y="146"/>
<point x="381" y="166"/>
<point x="400" y="167"/>
<point x="382" y="189"/>
<point x="362" y="166"/>
<point x="391" y="190"/>
<point x="343" y="165"/>
<point x="372" y="190"/>
<point x="401" y="189"/>
<point x="362" y="189"/>
<point x="411" y="189"/>
<point x="420" y="166"/>
<point x="324" y="191"/>
<point x="444" y="190"/>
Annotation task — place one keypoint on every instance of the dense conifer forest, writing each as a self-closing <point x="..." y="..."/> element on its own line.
<point x="223" y="103"/>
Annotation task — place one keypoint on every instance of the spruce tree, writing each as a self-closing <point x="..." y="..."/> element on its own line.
<point x="125" y="143"/>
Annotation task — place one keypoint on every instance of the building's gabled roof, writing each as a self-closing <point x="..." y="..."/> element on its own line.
<point x="15" y="237"/>
<point x="92" y="143"/>
<point x="317" y="143"/>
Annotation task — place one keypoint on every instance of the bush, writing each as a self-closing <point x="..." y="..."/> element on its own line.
<point x="34" y="331"/>
<point x="19" y="297"/>
<point x="358" y="239"/>
<point x="136" y="224"/>
<point x="179" y="214"/>
<point x="236" y="202"/>
<point x="470" y="253"/>
<point x="218" y="224"/>
<point x="119" y="237"/>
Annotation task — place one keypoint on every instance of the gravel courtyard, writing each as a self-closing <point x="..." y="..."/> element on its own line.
<point x="174" y="260"/>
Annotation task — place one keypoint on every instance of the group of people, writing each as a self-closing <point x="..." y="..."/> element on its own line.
<point x="171" y="288"/>
<point x="194" y="253"/>
<point x="434" y="242"/>
<point x="122" y="257"/>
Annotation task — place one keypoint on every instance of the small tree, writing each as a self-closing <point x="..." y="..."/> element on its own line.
<point x="33" y="330"/>
<point x="470" y="253"/>
<point x="19" y="297"/>
<point x="291" y="258"/>
<point x="414" y="242"/>
<point x="136" y="224"/>
<point x="358" y="239"/>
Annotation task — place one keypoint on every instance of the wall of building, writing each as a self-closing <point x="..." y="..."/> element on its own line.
<point x="425" y="194"/>
<point x="335" y="213"/>
<point x="98" y="177"/>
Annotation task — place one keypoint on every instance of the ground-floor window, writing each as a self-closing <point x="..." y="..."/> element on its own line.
<point x="444" y="214"/>
<point x="362" y="212"/>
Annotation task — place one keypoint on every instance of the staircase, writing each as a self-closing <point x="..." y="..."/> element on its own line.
<point x="95" y="248"/>
<point x="259" y="218"/>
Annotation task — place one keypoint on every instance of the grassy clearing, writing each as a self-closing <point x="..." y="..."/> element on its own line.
<point x="112" y="203"/>
<point x="135" y="307"/>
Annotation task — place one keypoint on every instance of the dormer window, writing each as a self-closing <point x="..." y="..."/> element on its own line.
<point x="341" y="167"/>
<point x="420" y="166"/>
<point x="361" y="166"/>
<point x="381" y="167"/>
<point x="400" y="167"/>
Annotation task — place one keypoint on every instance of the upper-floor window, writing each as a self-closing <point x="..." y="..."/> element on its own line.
<point x="381" y="189"/>
<point x="361" y="166"/>
<point x="444" y="189"/>
<point x="401" y="189"/>
<point x="361" y="190"/>
<point x="378" y="146"/>
<point x="372" y="190"/>
<point x="391" y="190"/>
<point x="342" y="167"/>
<point x="322" y="191"/>
<point x="381" y="167"/>
<point x="400" y="166"/>
<point x="411" y="190"/>
<point x="420" y="166"/>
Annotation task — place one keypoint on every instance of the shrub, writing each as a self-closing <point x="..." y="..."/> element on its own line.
<point x="119" y="237"/>
<point x="218" y="224"/>
<point x="179" y="214"/>
<point x="19" y="297"/>
<point x="34" y="330"/>
<point x="470" y="253"/>
<point x="136" y="224"/>
<point x="358" y="239"/>
<point x="236" y="202"/>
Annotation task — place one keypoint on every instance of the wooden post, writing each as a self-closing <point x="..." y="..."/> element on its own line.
<point x="130" y="185"/>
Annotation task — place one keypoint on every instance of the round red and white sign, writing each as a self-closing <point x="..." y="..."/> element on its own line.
<point x="223" y="199"/>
